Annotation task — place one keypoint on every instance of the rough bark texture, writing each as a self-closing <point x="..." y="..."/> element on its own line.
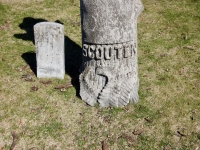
<point x="49" y="42"/>
<point x="110" y="68"/>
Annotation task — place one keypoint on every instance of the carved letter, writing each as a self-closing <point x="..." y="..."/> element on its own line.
<point x="133" y="49"/>
<point x="127" y="50"/>
<point x="119" y="49"/>
<point x="108" y="52"/>
<point x="91" y="51"/>
<point x="85" y="49"/>
<point x="99" y="52"/>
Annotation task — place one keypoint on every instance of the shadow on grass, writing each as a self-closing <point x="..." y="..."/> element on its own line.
<point x="30" y="58"/>
<point x="73" y="56"/>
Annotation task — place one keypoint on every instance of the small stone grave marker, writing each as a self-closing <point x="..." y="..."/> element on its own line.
<point x="50" y="56"/>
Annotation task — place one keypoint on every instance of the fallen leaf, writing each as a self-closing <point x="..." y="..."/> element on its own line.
<point x="107" y="119"/>
<point x="145" y="76"/>
<point x="161" y="79"/>
<point x="2" y="27"/>
<point x="104" y="145"/>
<point x="7" y="23"/>
<point x="1" y="147"/>
<point x="125" y="109"/>
<point x="180" y="134"/>
<point x="34" y="88"/>
<point x="46" y="82"/>
<point x="148" y="120"/>
<point x="162" y="55"/>
<point x="148" y="89"/>
<point x="15" y="140"/>
<point x="21" y="122"/>
<point x="85" y="139"/>
<point x="137" y="132"/>
<point x="61" y="86"/>
<point x="165" y="148"/>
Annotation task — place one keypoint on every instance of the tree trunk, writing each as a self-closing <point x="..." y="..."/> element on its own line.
<point x="110" y="66"/>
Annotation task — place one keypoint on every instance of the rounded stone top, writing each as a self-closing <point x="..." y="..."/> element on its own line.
<point x="109" y="21"/>
<point x="48" y="24"/>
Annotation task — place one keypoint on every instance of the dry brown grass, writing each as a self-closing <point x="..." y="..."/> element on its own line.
<point x="49" y="119"/>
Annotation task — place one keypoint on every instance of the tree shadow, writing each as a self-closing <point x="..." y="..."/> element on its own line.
<point x="73" y="52"/>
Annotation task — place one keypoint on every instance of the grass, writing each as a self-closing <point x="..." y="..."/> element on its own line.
<point x="168" y="113"/>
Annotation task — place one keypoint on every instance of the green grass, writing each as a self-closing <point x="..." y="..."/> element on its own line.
<point x="169" y="71"/>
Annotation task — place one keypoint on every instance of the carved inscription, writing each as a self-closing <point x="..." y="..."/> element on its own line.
<point x="107" y="52"/>
<point x="110" y="75"/>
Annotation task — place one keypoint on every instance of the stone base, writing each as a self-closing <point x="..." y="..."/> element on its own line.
<point x="110" y="75"/>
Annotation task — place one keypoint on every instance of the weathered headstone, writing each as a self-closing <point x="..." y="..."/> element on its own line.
<point x="109" y="71"/>
<point x="49" y="42"/>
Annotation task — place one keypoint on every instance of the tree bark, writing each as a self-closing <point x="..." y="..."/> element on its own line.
<point x="110" y="66"/>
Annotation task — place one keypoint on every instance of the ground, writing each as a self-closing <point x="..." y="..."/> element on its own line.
<point x="167" y="115"/>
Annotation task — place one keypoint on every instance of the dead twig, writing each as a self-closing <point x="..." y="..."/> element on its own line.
<point x="148" y="120"/>
<point x="63" y="87"/>
<point x="15" y="140"/>
<point x="46" y="82"/>
<point x="60" y="86"/>
<point x="138" y="132"/>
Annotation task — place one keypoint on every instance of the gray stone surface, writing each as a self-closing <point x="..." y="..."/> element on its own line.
<point x="109" y="71"/>
<point x="49" y="42"/>
<point x="111" y="21"/>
